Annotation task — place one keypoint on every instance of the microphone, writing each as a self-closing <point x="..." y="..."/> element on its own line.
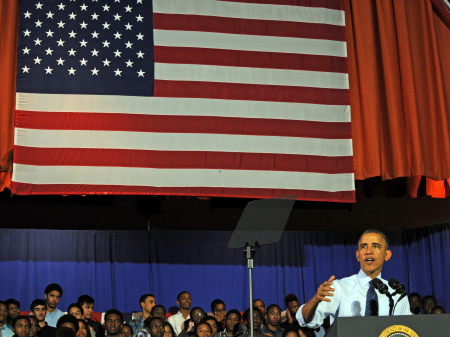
<point x="380" y="286"/>
<point x="398" y="287"/>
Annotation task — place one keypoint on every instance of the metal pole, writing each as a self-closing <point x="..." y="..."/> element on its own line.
<point x="250" y="267"/>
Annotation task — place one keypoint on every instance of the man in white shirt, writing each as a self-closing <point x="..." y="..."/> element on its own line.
<point x="348" y="297"/>
<point x="184" y="301"/>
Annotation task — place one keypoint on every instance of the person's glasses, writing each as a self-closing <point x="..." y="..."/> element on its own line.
<point x="34" y="325"/>
<point x="198" y="315"/>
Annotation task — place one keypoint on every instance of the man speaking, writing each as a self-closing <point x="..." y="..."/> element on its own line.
<point x="355" y="295"/>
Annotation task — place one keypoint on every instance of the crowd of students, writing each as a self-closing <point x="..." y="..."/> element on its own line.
<point x="46" y="320"/>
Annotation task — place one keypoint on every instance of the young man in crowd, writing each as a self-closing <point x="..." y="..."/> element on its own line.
<point x="415" y="303"/>
<point x="184" y="301"/>
<point x="155" y="327"/>
<point x="86" y="302"/>
<point x="4" y="330"/>
<point x="196" y="315"/>
<point x="428" y="303"/>
<point x="261" y="306"/>
<point x="113" y="322"/>
<point x="53" y="293"/>
<point x="67" y="321"/>
<point x="273" y="316"/>
<point x="438" y="310"/>
<point x="13" y="311"/>
<point x="147" y="302"/>
<point x="257" y="321"/>
<point x="211" y="320"/>
<point x="292" y="306"/>
<point x="21" y="326"/>
<point x="219" y="311"/>
<point x="39" y="310"/>
<point x="158" y="311"/>
<point x="34" y="327"/>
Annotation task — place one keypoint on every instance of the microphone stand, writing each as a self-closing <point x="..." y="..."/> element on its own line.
<point x="391" y="303"/>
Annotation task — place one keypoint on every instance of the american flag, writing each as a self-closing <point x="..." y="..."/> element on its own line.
<point x="183" y="97"/>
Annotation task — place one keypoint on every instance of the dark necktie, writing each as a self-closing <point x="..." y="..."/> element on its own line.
<point x="371" y="301"/>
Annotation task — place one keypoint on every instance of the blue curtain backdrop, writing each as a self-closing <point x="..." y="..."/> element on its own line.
<point x="117" y="267"/>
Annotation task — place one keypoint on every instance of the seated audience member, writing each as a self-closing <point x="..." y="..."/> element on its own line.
<point x="13" y="311"/>
<point x="86" y="302"/>
<point x="168" y="330"/>
<point x="83" y="328"/>
<point x="5" y="331"/>
<point x="232" y="320"/>
<point x="290" y="332"/>
<point x="75" y="310"/>
<point x="203" y="330"/>
<point x="219" y="311"/>
<point x="158" y="311"/>
<point x="273" y="317"/>
<point x="211" y="320"/>
<point x="415" y="303"/>
<point x="34" y="326"/>
<point x="306" y="332"/>
<point x="155" y="326"/>
<point x="67" y="321"/>
<point x="196" y="315"/>
<point x="147" y="302"/>
<point x="428" y="303"/>
<point x="113" y="322"/>
<point x="438" y="310"/>
<point x="53" y="293"/>
<point x="126" y="331"/>
<point x="65" y="332"/>
<point x="184" y="301"/>
<point x="21" y="326"/>
<point x="292" y="306"/>
<point x="39" y="310"/>
<point x="261" y="306"/>
<point x="257" y="321"/>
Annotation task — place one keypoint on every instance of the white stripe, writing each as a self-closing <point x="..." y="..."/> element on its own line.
<point x="181" y="142"/>
<point x="251" y="11"/>
<point x="182" y="107"/>
<point x="136" y="176"/>
<point x="178" y="38"/>
<point x="207" y="73"/>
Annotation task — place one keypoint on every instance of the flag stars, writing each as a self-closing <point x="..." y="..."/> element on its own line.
<point x="27" y="15"/>
<point x="72" y="16"/>
<point x="118" y="72"/>
<point x="49" y="33"/>
<point x="48" y="70"/>
<point x="60" y="43"/>
<point x="117" y="17"/>
<point x="117" y="53"/>
<point x="117" y="35"/>
<point x="140" y="54"/>
<point x="26" y="32"/>
<point x="38" y="23"/>
<point x="83" y="25"/>
<point x="128" y="44"/>
<point x="37" y="41"/>
<point x="72" y="71"/>
<point x="37" y="60"/>
<point x="140" y="36"/>
<point x="95" y="71"/>
<point x="83" y="62"/>
<point x="129" y="63"/>
<point x="106" y="25"/>
<point x="106" y="8"/>
<point x="95" y="35"/>
<point x="83" y="7"/>
<point x="72" y="52"/>
<point x="128" y="8"/>
<point x="25" y="69"/>
<point x="50" y="15"/>
<point x="139" y="1"/>
<point x="26" y="50"/>
<point x="60" y="24"/>
<point x="106" y="44"/>
<point x="72" y="34"/>
<point x="39" y="5"/>
<point x="95" y="16"/>
<point x="139" y="18"/>
<point x="106" y="62"/>
<point x="61" y="6"/>
<point x="128" y="26"/>
<point x="140" y="73"/>
<point x="49" y="51"/>
<point x="94" y="52"/>
<point x="83" y="43"/>
<point x="60" y="61"/>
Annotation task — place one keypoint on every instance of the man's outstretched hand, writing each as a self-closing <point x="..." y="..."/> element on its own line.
<point x="323" y="293"/>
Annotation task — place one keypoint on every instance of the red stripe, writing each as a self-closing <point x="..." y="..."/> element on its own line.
<point x="181" y="160"/>
<point x="27" y="189"/>
<point x="252" y="92"/>
<point x="181" y="124"/>
<point x="331" y="4"/>
<point x="255" y="59"/>
<point x="216" y="24"/>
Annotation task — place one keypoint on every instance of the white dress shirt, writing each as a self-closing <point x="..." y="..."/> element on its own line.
<point x="177" y="321"/>
<point x="350" y="300"/>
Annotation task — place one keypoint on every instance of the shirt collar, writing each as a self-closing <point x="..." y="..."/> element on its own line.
<point x="364" y="279"/>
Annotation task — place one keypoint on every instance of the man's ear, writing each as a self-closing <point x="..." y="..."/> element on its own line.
<point x="178" y="303"/>
<point x="388" y="255"/>
<point x="357" y="255"/>
<point x="45" y="296"/>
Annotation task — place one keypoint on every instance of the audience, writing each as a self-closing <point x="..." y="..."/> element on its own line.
<point x="415" y="303"/>
<point x="257" y="321"/>
<point x="75" y="310"/>
<point x="83" y="328"/>
<point x="113" y="322"/>
<point x="219" y="311"/>
<point x="438" y="310"/>
<point x="21" y="326"/>
<point x="53" y="293"/>
<point x="232" y="320"/>
<point x="68" y="321"/>
<point x="34" y="326"/>
<point x="147" y="303"/>
<point x="38" y="309"/>
<point x="428" y="303"/>
<point x="273" y="317"/>
<point x="126" y="331"/>
<point x="211" y="320"/>
<point x="13" y="311"/>
<point x="203" y="330"/>
<point x="155" y="327"/>
<point x="5" y="331"/>
<point x="168" y="330"/>
<point x="86" y="302"/>
<point x="158" y="311"/>
<point x="65" y="332"/>
<point x="292" y="306"/>
<point x="184" y="301"/>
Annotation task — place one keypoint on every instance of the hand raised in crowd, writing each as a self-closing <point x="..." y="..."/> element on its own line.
<point x="325" y="290"/>
<point x="289" y="316"/>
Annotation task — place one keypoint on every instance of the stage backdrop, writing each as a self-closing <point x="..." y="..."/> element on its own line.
<point x="116" y="267"/>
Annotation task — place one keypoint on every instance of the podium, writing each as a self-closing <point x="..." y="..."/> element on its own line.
<point x="392" y="326"/>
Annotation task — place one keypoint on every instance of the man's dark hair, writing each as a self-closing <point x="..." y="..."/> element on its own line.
<point x="171" y="328"/>
<point x="125" y="324"/>
<point x="144" y="297"/>
<point x="3" y="302"/>
<point x="258" y="299"/>
<point x="190" y="334"/>
<point x="18" y="318"/>
<point x="148" y="321"/>
<point x="12" y="301"/>
<point x="75" y="305"/>
<point x="33" y="317"/>
<point x="65" y="332"/>
<point x="114" y="311"/>
<point x="247" y="312"/>
<point x="203" y="323"/>
<point x="429" y="297"/>
<point x="53" y="287"/>
<point x="197" y="308"/>
<point x="414" y="294"/>
<point x="308" y="332"/>
<point x="183" y="292"/>
<point x="234" y="311"/>
<point x="86" y="325"/>
<point x="273" y="306"/>
<point x="215" y="303"/>
<point x="290" y="298"/>
<point x="438" y="307"/>
<point x="37" y="302"/>
<point x="85" y="299"/>
<point x="375" y="231"/>
<point x="67" y="319"/>
<point x="209" y="318"/>
<point x="290" y="329"/>
<point x="157" y="306"/>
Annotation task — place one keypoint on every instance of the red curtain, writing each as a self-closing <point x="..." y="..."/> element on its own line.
<point x="398" y="52"/>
